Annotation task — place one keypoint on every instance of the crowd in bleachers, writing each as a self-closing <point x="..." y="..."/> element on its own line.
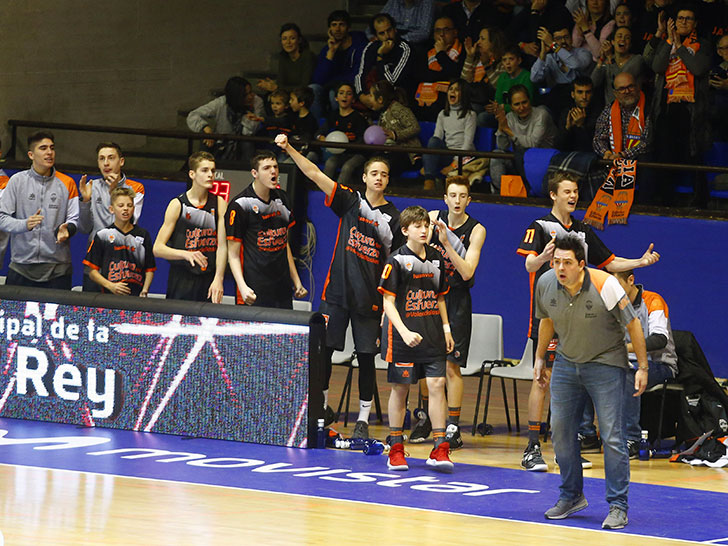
<point x="530" y="74"/>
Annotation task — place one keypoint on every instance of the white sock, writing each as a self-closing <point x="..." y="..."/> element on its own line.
<point x="364" y="408"/>
<point x="326" y="398"/>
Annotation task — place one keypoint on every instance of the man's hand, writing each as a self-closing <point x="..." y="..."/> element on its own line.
<point x="578" y="116"/>
<point x="299" y="292"/>
<point x="282" y="142"/>
<point x="717" y="82"/>
<point x="333" y="46"/>
<point x="412" y="339"/>
<point x="84" y="189"/>
<point x="449" y="342"/>
<point x="144" y="293"/>
<point x="196" y="258"/>
<point x="609" y="154"/>
<point x="63" y="235"/>
<point x="268" y="84"/>
<point x="442" y="230"/>
<point x="491" y="107"/>
<point x="661" y="24"/>
<point x="34" y="220"/>
<point x="440" y="44"/>
<point x="119" y="288"/>
<point x="539" y="372"/>
<point x="530" y="48"/>
<point x="215" y="292"/>
<point x="672" y="33"/>
<point x="546" y="38"/>
<point x="385" y="48"/>
<point x="208" y="142"/>
<point x="649" y="257"/>
<point x="640" y="381"/>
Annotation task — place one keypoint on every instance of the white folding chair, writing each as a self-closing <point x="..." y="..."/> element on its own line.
<point x="523" y="371"/>
<point x="486" y="347"/>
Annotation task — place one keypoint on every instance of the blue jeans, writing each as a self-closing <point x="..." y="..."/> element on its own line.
<point x="570" y="385"/>
<point x="656" y="375"/>
<point x="433" y="163"/>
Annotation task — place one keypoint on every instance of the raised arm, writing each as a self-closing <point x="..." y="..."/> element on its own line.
<point x="309" y="169"/>
<point x="465" y="266"/>
<point x="625" y="264"/>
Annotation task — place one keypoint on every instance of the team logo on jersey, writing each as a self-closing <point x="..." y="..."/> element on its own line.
<point x="111" y="237"/>
<point x="31" y="197"/>
<point x="552" y="233"/>
<point x="436" y="263"/>
<point x="457" y="354"/>
<point x="552" y="303"/>
<point x="408" y="266"/>
<point x="256" y="210"/>
<point x="188" y="216"/>
<point x="589" y="304"/>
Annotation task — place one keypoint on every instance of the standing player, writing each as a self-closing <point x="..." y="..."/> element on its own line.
<point x="4" y="236"/>
<point x="257" y="223"/>
<point x="416" y="334"/>
<point x="368" y="231"/>
<point x="95" y="210"/>
<point x="120" y="257"/>
<point x="192" y="237"/>
<point x="537" y="246"/>
<point x="460" y="239"/>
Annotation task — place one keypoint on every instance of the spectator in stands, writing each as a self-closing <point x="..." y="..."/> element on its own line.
<point x="652" y="26"/>
<point x="413" y="18"/>
<point x="654" y="316"/>
<point x="455" y="130"/>
<point x="592" y="27"/>
<point x="719" y="85"/>
<point x="623" y="16"/>
<point x="337" y="62"/>
<point x="616" y="57"/>
<point x="680" y="103"/>
<point x="238" y="112"/>
<point x="353" y="124"/>
<point x="470" y="16"/>
<point x="577" y="123"/>
<point x="483" y="67"/>
<point x="279" y="121"/>
<point x="295" y="62"/>
<point x="525" y="126"/>
<point x="573" y="5"/>
<point x="95" y="198"/>
<point x="4" y="236"/>
<point x="513" y="75"/>
<point x="304" y="124"/>
<point x="547" y="14"/>
<point x="388" y="57"/>
<point x="39" y="208"/>
<point x="399" y="124"/>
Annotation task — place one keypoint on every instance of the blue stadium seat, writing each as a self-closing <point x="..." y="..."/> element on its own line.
<point x="535" y="163"/>
<point x="484" y="139"/>
<point x="427" y="129"/>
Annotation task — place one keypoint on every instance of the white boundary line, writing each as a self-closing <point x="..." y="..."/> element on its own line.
<point x="544" y="524"/>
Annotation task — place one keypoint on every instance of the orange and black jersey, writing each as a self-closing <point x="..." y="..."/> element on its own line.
<point x="540" y="232"/>
<point x="122" y="257"/>
<point x="416" y="284"/>
<point x="262" y="229"/>
<point x="365" y="240"/>
<point x="460" y="241"/>
<point x="196" y="230"/>
<point x="353" y="125"/>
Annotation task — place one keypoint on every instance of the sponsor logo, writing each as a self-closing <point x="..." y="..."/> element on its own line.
<point x="589" y="304"/>
<point x="408" y="266"/>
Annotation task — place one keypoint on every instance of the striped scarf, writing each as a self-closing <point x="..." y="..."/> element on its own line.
<point x="679" y="81"/>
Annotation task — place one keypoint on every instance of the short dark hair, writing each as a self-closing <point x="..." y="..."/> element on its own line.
<point x="198" y="157"/>
<point x="235" y="93"/>
<point x="376" y="159"/>
<point x="342" y="84"/>
<point x="514" y="50"/>
<point x="570" y="242"/>
<point x="412" y="215"/>
<point x="109" y="144"/>
<point x="582" y="81"/>
<point x="379" y="17"/>
<point x="339" y="15"/>
<point x="304" y="94"/>
<point x="280" y="94"/>
<point x="260" y="156"/>
<point x="557" y="177"/>
<point x="518" y="88"/>
<point x="38" y="136"/>
<point x="624" y="275"/>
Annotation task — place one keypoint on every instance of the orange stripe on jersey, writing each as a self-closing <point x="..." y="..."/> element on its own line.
<point x="598" y="278"/>
<point x="329" y="198"/>
<point x="70" y="184"/>
<point x="382" y="291"/>
<point x="523" y="252"/>
<point x="654" y="302"/>
<point x="336" y="245"/>
<point x="389" y="357"/>
<point x="92" y="266"/>
<point x="136" y="186"/>
<point x="606" y="262"/>
<point x="231" y="238"/>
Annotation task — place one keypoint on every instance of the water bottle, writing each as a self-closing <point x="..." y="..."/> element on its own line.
<point x="321" y="435"/>
<point x="358" y="444"/>
<point x="374" y="448"/>
<point x="644" y="453"/>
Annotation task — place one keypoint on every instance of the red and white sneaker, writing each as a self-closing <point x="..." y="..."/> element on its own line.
<point x="396" y="459"/>
<point x="439" y="459"/>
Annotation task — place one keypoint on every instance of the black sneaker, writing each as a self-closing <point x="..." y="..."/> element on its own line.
<point x="422" y="429"/>
<point x="361" y="430"/>
<point x="329" y="416"/>
<point x="633" y="449"/>
<point x="590" y="444"/>
<point x="452" y="436"/>
<point x="533" y="460"/>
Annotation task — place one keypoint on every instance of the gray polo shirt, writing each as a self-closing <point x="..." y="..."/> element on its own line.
<point x="591" y="324"/>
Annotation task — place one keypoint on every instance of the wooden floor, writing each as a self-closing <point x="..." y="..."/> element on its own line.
<point x="40" y="506"/>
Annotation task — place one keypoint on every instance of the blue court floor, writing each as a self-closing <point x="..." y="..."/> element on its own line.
<point x="655" y="511"/>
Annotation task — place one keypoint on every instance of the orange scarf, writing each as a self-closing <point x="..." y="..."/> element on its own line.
<point x="679" y="81"/>
<point x="616" y="195"/>
<point x="454" y="52"/>
<point x="634" y="128"/>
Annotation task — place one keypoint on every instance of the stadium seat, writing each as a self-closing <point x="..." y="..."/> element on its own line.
<point x="484" y="139"/>
<point x="535" y="164"/>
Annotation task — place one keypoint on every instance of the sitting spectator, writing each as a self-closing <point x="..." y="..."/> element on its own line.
<point x="399" y="124"/>
<point x="279" y="120"/>
<point x="558" y="64"/>
<point x="455" y="130"/>
<point x="238" y="112"/>
<point x="719" y="84"/>
<point x="295" y="62"/>
<point x="470" y="16"/>
<point x="592" y="27"/>
<point x="304" y="124"/>
<point x="388" y="57"/>
<point x="681" y="102"/>
<point x="444" y="61"/>
<point x="525" y="126"/>
<point x="484" y="66"/>
<point x="616" y="57"/>
<point x="577" y="123"/>
<point x="513" y="75"/>
<point x="337" y="62"/>
<point x="413" y="18"/>
<point x="353" y="124"/>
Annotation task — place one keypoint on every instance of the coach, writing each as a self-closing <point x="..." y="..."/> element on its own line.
<point x="589" y="310"/>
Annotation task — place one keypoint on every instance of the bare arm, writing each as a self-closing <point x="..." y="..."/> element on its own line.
<point x="625" y="264"/>
<point x="148" y="276"/>
<point x="216" y="291"/>
<point x="247" y="293"/>
<point x="545" y="335"/>
<point x="412" y="339"/>
<point x="120" y="288"/>
<point x="449" y="342"/>
<point x="640" y="350"/>
<point x="534" y="263"/>
<point x="298" y="289"/>
<point x="465" y="266"/>
<point x="308" y="168"/>
<point x="162" y="250"/>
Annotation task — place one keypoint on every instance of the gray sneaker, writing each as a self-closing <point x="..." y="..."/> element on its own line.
<point x="361" y="430"/>
<point x="616" y="519"/>
<point x="564" y="508"/>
